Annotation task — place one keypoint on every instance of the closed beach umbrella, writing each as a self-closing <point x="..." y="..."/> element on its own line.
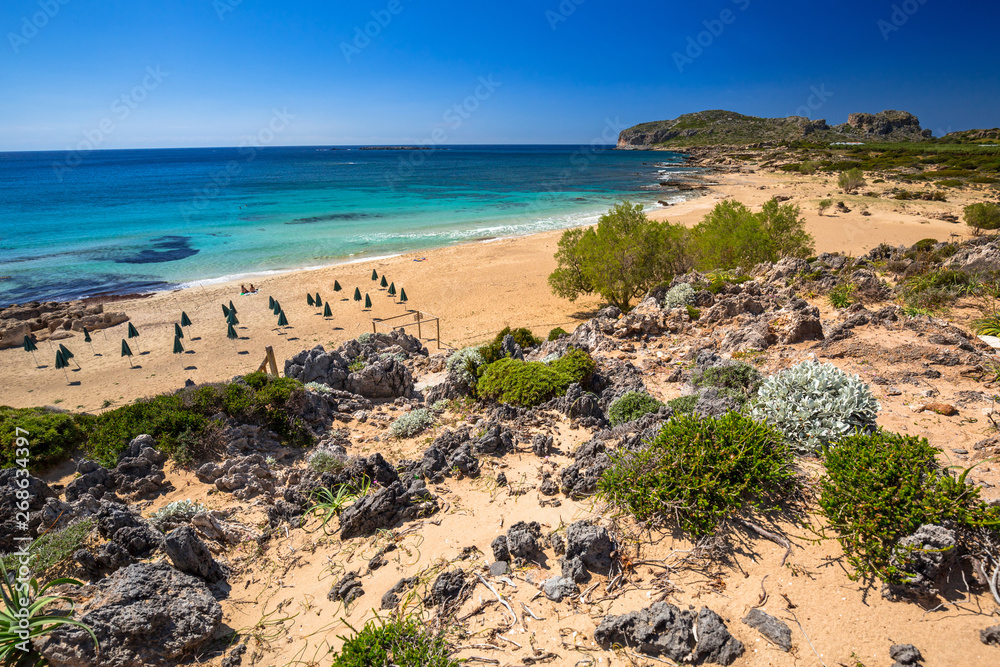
<point x="357" y="294"/>
<point x="178" y="346"/>
<point x="231" y="320"/>
<point x="309" y="300"/>
<point x="127" y="351"/>
<point x="384" y="282"/>
<point x="402" y="295"/>
<point x="225" y="311"/>
<point x="326" y="311"/>
<point x="185" y="320"/>
<point x="368" y="301"/>
<point x="232" y="335"/>
<point x="319" y="301"/>
<point x="178" y="332"/>
<point x="277" y="307"/>
<point x="133" y="333"/>
<point x="232" y="308"/>
<point x="336" y="286"/>
<point x="29" y="346"/>
<point x="270" y="301"/>
<point x="88" y="339"/>
<point x="282" y="320"/>
<point x="392" y="289"/>
<point x="67" y="355"/>
<point x="62" y="363"/>
<point x="375" y="275"/>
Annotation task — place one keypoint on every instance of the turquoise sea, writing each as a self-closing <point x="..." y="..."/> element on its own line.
<point x="125" y="221"/>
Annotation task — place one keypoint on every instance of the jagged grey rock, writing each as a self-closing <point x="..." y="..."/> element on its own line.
<point x="663" y="629"/>
<point x="777" y="631"/>
<point x="145" y="614"/>
<point x="38" y="493"/>
<point x="558" y="588"/>
<point x="387" y="507"/>
<point x="905" y="654"/>
<point x="591" y="544"/>
<point x="500" y="550"/>
<point x="189" y="554"/>
<point x="990" y="636"/>
<point x="447" y="587"/>
<point x="522" y="539"/>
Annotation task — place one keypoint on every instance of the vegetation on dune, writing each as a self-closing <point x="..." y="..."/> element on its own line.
<point x="699" y="471"/>
<point x="411" y="423"/>
<point x="630" y="406"/>
<point x="736" y="379"/>
<point x="883" y="486"/>
<point x="522" y="336"/>
<point x="620" y="259"/>
<point x="983" y="216"/>
<point x="51" y="435"/>
<point x="530" y="383"/>
<point x="627" y="254"/>
<point x="402" y="641"/>
<point x="53" y="547"/>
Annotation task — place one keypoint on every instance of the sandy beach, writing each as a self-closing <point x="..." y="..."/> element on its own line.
<point x="476" y="289"/>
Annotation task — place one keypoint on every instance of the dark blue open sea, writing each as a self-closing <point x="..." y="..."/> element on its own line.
<point x="125" y="221"/>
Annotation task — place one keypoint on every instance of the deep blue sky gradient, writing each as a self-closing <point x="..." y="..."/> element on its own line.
<point x="608" y="65"/>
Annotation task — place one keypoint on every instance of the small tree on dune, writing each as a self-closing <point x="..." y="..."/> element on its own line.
<point x="851" y="180"/>
<point x="824" y="204"/>
<point x="982" y="216"/>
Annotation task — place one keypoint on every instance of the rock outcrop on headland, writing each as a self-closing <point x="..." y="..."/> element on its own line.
<point x="52" y="320"/>
<point x="727" y="128"/>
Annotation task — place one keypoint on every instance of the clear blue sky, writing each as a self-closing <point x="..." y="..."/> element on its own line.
<point x="225" y="66"/>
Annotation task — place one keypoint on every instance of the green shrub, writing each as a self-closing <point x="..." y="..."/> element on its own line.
<point x="523" y="337"/>
<point x="401" y="642"/>
<point x="621" y="259"/>
<point x="882" y="487"/>
<point x="530" y="383"/>
<point x="693" y="313"/>
<point x="326" y="462"/>
<point x="631" y="406"/>
<point x="52" y="436"/>
<point x="982" y="216"/>
<point x="178" y="509"/>
<point x="732" y="235"/>
<point x="576" y="364"/>
<point x="824" y="204"/>
<point x="411" y="423"/>
<point x="739" y="379"/>
<point x="683" y="404"/>
<point x="697" y="472"/>
<point x="679" y="296"/>
<point x="851" y="180"/>
<point x="179" y="421"/>
<point x="556" y="333"/>
<point x="53" y="547"/>
<point x="814" y="405"/>
<point x="843" y="295"/>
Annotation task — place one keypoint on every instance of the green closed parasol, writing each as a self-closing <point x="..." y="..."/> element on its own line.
<point x="232" y="335"/>
<point x="336" y="286"/>
<point x="392" y="289"/>
<point x="62" y="363"/>
<point x="178" y="346"/>
<point x="185" y="320"/>
<point x="225" y="311"/>
<point x="282" y="320"/>
<point x="231" y="320"/>
<point x="384" y="283"/>
<point x="375" y="275"/>
<point x="276" y="308"/>
<point x="402" y="295"/>
<point x="319" y="301"/>
<point x="326" y="311"/>
<point x="368" y="302"/>
<point x="127" y="351"/>
<point x="357" y="294"/>
<point x="309" y="300"/>
<point x="88" y="339"/>
<point x="178" y="332"/>
<point x="232" y="308"/>
<point x="29" y="346"/>
<point x="133" y="333"/>
<point x="67" y="355"/>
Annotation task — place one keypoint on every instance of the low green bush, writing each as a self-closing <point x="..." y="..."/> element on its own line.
<point x="683" y="404"/>
<point x="529" y="383"/>
<point x="679" y="296"/>
<point x="53" y="547"/>
<point x="556" y="333"/>
<point x="465" y="363"/>
<point x="630" y="406"/>
<point x="401" y="642"/>
<point x="843" y="295"/>
<point x="52" y="436"/>
<point x="179" y="421"/>
<point x="883" y="486"/>
<point x="523" y="337"/>
<point x="738" y="378"/>
<point x="698" y="471"/>
<point x="814" y="405"/>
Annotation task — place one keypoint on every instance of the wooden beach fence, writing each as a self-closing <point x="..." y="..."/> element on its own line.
<point x="418" y="319"/>
<point x="268" y="362"/>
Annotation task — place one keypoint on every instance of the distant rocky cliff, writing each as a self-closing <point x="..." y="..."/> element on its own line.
<point x="729" y="128"/>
